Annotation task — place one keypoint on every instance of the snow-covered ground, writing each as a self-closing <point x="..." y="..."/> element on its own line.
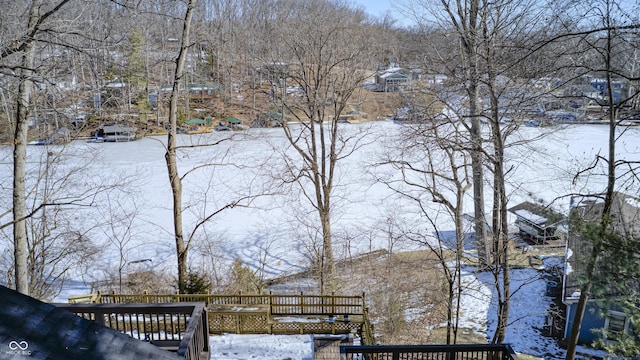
<point x="264" y="233"/>
<point x="528" y="311"/>
<point x="263" y="347"/>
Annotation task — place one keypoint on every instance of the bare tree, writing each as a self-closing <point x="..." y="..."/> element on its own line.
<point x="325" y="57"/>
<point x="57" y="246"/>
<point x="483" y="78"/>
<point x="25" y="59"/>
<point x="605" y="40"/>
<point x="183" y="242"/>
<point x="170" y="156"/>
<point x="465" y="19"/>
<point x="59" y="193"/>
<point x="119" y="229"/>
<point x="39" y="37"/>
<point x="26" y="45"/>
<point x="434" y="167"/>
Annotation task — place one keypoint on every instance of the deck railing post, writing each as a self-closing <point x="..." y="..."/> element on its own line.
<point x="269" y="320"/>
<point x="333" y="303"/>
<point x="396" y="355"/>
<point x="301" y="303"/>
<point x="451" y="355"/>
<point x="99" y="318"/>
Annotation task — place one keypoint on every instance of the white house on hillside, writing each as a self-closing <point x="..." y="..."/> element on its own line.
<point x="392" y="79"/>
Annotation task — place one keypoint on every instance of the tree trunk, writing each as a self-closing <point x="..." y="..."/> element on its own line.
<point x="501" y="247"/>
<point x="585" y="289"/>
<point x="577" y="320"/>
<point x="328" y="264"/>
<point x="478" y="179"/>
<point x="327" y="72"/>
<point x="170" y="156"/>
<point x="468" y="37"/>
<point x="19" y="158"/>
<point x="460" y="235"/>
<point x="455" y="311"/>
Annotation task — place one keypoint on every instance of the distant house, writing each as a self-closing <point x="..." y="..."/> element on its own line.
<point x="116" y="84"/>
<point x="625" y="218"/>
<point x="234" y="122"/>
<point x="619" y="90"/>
<point x="435" y="79"/>
<point x="202" y="92"/>
<point x="583" y="91"/>
<point x="112" y="94"/>
<point x="538" y="223"/>
<point x="117" y="133"/>
<point x="392" y="79"/>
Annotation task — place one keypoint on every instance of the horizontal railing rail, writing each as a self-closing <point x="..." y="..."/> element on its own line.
<point x="429" y="352"/>
<point x="279" y="305"/>
<point x="316" y="305"/>
<point x="183" y="324"/>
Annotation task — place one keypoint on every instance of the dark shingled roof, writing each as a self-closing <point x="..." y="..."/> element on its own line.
<point x="31" y="329"/>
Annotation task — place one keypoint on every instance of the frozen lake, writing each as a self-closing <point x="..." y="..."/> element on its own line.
<point x="272" y="223"/>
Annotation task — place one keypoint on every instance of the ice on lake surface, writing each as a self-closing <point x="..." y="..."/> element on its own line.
<point x="265" y="232"/>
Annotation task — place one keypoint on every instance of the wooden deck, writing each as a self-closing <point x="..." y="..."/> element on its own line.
<point x="266" y="314"/>
<point x="177" y="327"/>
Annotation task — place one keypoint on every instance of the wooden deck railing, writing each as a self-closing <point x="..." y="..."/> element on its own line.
<point x="429" y="352"/>
<point x="278" y="304"/>
<point x="267" y="313"/>
<point x="316" y="305"/>
<point x="367" y="332"/>
<point x="181" y="328"/>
